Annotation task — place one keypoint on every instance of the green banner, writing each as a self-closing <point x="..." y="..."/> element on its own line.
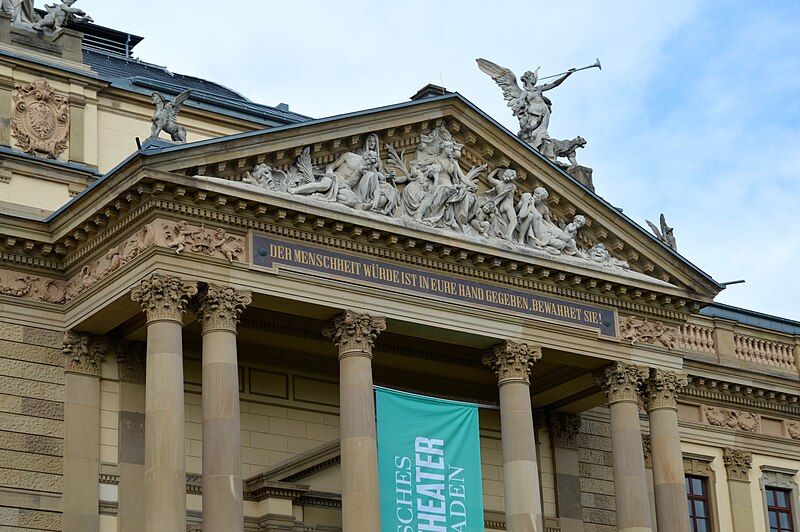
<point x="429" y="464"/>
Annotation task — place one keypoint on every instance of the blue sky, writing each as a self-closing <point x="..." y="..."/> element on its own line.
<point x="696" y="112"/>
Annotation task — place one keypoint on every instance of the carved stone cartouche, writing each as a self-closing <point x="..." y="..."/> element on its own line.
<point x="40" y="120"/>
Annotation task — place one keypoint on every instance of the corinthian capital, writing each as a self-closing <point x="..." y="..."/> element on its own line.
<point x="163" y="297"/>
<point x="131" y="361"/>
<point x="512" y="361"/>
<point x="661" y="388"/>
<point x="621" y="382"/>
<point x="83" y="353"/>
<point x="737" y="463"/>
<point x="220" y="307"/>
<point x="354" y="333"/>
<point x="564" y="428"/>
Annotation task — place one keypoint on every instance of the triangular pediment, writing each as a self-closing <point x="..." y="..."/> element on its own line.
<point x="302" y="165"/>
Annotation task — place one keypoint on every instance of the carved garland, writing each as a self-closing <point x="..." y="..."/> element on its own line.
<point x="40" y="122"/>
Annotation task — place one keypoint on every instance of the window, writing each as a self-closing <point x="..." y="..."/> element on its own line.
<point x="779" y="510"/>
<point x="699" y="506"/>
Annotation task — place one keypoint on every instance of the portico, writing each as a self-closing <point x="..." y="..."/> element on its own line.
<point x="267" y="319"/>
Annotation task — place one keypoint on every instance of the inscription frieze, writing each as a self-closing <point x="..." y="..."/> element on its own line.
<point x="270" y="252"/>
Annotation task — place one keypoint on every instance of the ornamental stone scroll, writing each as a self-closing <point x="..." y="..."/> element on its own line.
<point x="512" y="361"/>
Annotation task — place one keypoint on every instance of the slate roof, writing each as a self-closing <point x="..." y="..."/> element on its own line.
<point x="138" y="76"/>
<point x="752" y="318"/>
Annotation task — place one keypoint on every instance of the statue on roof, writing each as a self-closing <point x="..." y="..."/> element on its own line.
<point x="165" y="117"/>
<point x="528" y="103"/>
<point x="58" y="15"/>
<point x="532" y="108"/>
<point x="666" y="234"/>
<point x="20" y="11"/>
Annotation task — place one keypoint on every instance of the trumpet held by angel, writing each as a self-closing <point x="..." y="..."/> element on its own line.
<point x="528" y="102"/>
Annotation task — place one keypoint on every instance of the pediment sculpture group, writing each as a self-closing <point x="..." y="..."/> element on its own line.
<point x="431" y="189"/>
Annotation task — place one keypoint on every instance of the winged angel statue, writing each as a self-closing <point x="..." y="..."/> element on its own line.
<point x="666" y="234"/>
<point x="166" y="116"/>
<point x="528" y="103"/>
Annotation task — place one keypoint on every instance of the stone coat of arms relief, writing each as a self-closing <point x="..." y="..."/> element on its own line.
<point x="40" y="121"/>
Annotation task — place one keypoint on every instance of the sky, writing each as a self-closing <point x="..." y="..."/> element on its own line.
<point x="695" y="113"/>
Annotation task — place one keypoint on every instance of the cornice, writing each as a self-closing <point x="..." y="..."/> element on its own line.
<point x="705" y="389"/>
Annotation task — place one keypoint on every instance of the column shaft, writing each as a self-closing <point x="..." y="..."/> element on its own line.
<point x="564" y="430"/>
<point x="354" y="334"/>
<point x="219" y="310"/>
<point x="672" y="514"/>
<point x="164" y="455"/>
<point x="512" y="361"/>
<point x="738" y="464"/>
<point x="520" y="472"/>
<point x="621" y="383"/>
<point x="222" y="436"/>
<point x="83" y="357"/>
<point x="164" y="301"/>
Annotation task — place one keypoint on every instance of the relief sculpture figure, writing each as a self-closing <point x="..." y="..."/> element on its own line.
<point x="528" y="103"/>
<point x="428" y="188"/>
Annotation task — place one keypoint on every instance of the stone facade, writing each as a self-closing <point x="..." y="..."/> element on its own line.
<point x="225" y="308"/>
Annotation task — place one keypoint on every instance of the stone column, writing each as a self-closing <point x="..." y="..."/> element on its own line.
<point x="219" y="310"/>
<point x="621" y="383"/>
<point x="83" y="355"/>
<point x="738" y="465"/>
<point x="512" y="362"/>
<point x="355" y="334"/>
<point x="164" y="300"/>
<point x="665" y="443"/>
<point x="131" y="370"/>
<point x="564" y="428"/>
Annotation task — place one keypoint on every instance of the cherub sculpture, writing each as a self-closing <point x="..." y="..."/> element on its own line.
<point x="166" y="116"/>
<point x="528" y="103"/>
<point x="666" y="234"/>
<point x="60" y="14"/>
